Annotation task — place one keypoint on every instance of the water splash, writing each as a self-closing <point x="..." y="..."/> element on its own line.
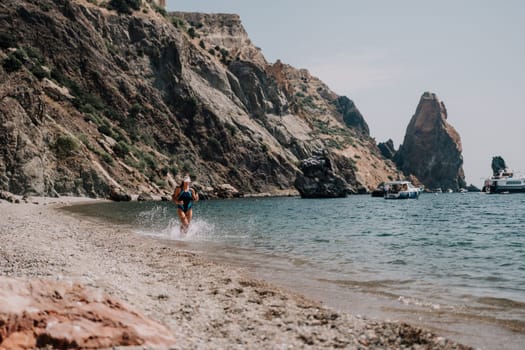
<point x="199" y="229"/>
<point x="163" y="222"/>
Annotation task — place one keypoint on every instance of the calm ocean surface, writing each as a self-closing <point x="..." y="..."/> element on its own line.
<point x="453" y="262"/>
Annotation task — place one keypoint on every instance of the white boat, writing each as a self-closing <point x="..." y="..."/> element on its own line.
<point x="504" y="182"/>
<point x="401" y="190"/>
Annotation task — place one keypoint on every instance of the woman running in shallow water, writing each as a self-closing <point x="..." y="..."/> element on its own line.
<point x="183" y="197"/>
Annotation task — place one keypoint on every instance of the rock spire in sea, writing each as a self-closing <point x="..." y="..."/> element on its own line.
<point x="431" y="149"/>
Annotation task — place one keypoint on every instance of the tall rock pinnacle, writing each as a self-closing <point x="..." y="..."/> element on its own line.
<point x="432" y="148"/>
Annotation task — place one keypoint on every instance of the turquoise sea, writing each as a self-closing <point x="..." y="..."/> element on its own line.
<point x="451" y="262"/>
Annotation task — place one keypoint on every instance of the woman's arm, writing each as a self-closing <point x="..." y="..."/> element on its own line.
<point x="194" y="195"/>
<point x="175" y="196"/>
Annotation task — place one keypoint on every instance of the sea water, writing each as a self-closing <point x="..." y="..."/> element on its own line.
<point x="451" y="262"/>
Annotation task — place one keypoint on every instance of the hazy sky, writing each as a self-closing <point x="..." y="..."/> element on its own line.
<point x="384" y="54"/>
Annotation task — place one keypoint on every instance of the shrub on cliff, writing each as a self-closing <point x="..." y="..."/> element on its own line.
<point x="121" y="149"/>
<point x="65" y="146"/>
<point x="12" y="64"/>
<point x="177" y="22"/>
<point x="107" y="158"/>
<point x="7" y="40"/>
<point x="39" y="72"/>
<point x="192" y="33"/>
<point x="159" y="9"/>
<point x="125" y="6"/>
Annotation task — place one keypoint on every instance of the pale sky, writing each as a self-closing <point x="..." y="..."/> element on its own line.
<point x="384" y="54"/>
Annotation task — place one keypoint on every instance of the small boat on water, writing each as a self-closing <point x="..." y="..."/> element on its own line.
<point x="504" y="182"/>
<point x="379" y="191"/>
<point x="401" y="190"/>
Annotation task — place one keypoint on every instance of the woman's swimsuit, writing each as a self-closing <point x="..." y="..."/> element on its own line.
<point x="186" y="198"/>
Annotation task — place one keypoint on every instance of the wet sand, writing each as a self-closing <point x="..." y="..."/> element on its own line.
<point x="206" y="305"/>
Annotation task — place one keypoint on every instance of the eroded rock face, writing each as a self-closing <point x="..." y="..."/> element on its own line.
<point x="51" y="314"/>
<point x="351" y="115"/>
<point x="387" y="149"/>
<point x="432" y="148"/>
<point x="101" y="99"/>
<point x="318" y="179"/>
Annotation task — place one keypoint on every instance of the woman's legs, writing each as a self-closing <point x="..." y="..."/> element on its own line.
<point x="184" y="222"/>
<point x="189" y="216"/>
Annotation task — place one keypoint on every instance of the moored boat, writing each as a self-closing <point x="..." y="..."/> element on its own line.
<point x="379" y="191"/>
<point x="504" y="182"/>
<point x="401" y="190"/>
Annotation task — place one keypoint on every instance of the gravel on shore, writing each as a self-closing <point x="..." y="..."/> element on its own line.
<point x="206" y="305"/>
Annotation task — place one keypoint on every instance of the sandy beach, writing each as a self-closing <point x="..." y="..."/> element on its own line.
<point x="206" y="305"/>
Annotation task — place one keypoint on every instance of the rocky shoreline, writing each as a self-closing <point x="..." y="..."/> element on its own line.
<point x="205" y="305"/>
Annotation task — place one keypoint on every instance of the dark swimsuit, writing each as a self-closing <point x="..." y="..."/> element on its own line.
<point x="185" y="196"/>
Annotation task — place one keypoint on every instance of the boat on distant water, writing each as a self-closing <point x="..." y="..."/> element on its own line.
<point x="379" y="191"/>
<point x="504" y="182"/>
<point x="401" y="190"/>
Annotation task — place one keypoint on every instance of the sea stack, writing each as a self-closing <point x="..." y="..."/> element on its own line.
<point x="432" y="148"/>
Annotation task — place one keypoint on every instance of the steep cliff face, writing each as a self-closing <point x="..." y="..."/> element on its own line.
<point x="91" y="99"/>
<point x="432" y="149"/>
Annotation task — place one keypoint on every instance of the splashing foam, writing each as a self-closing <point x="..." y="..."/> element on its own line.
<point x="417" y="302"/>
<point x="161" y="222"/>
<point x="198" y="230"/>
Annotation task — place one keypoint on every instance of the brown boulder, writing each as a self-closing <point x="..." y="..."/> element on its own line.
<point x="145" y="197"/>
<point x="45" y="313"/>
<point x="226" y="191"/>
<point x="8" y="196"/>
<point x="118" y="195"/>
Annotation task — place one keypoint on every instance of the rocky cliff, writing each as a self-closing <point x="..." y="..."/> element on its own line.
<point x="91" y="99"/>
<point x="431" y="149"/>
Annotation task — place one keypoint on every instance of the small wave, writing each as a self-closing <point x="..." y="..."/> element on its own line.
<point x="494" y="279"/>
<point x="502" y="302"/>
<point x="420" y="303"/>
<point x="384" y="235"/>
<point x="397" y="262"/>
<point x="373" y="284"/>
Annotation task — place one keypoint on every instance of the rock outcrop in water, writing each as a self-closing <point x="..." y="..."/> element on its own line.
<point x="92" y="99"/>
<point x="318" y="178"/>
<point x="498" y="164"/>
<point x="431" y="150"/>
